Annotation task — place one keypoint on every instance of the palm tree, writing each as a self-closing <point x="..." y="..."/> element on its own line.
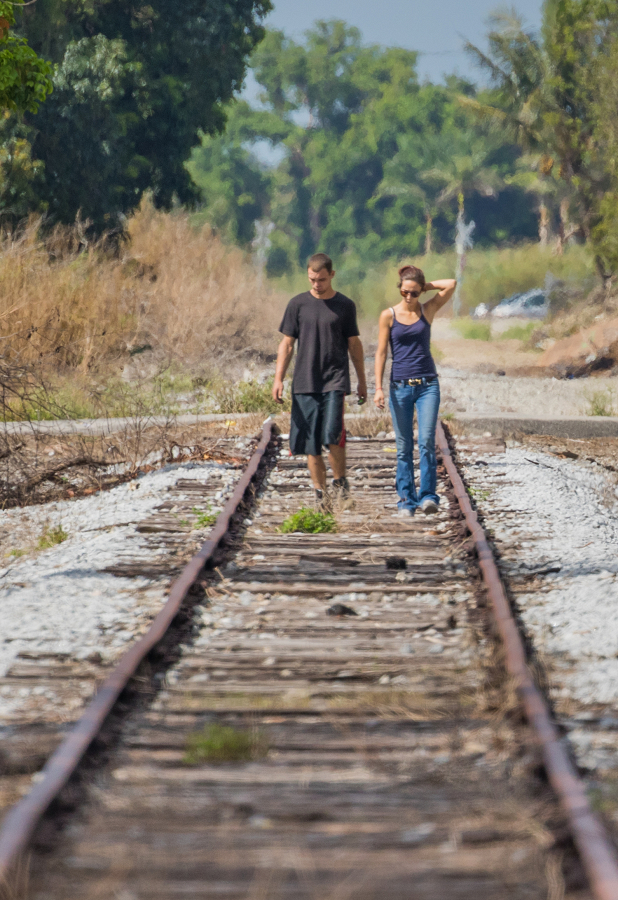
<point x="534" y="177"/>
<point x="519" y="70"/>
<point x="427" y="197"/>
<point x="464" y="176"/>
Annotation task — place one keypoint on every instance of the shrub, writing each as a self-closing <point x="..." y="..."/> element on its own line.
<point x="249" y="397"/>
<point x="601" y="403"/>
<point x="309" y="521"/>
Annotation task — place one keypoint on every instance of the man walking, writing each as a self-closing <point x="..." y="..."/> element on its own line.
<point x="323" y="321"/>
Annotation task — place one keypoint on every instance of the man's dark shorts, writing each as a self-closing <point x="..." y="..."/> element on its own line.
<point x="317" y="421"/>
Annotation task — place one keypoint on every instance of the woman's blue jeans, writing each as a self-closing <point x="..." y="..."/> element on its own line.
<point x="426" y="398"/>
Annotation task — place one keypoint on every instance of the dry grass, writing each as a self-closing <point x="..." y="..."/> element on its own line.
<point x="170" y="287"/>
<point x="38" y="468"/>
<point x="368" y="425"/>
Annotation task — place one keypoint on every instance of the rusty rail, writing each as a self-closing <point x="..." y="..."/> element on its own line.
<point x="20" y="823"/>
<point x="593" y="843"/>
<point x="590" y="837"/>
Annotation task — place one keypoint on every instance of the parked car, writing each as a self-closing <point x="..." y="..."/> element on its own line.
<point x="532" y="304"/>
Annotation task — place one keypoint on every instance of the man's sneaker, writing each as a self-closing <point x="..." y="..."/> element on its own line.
<point x="341" y="492"/>
<point x="323" y="502"/>
<point x="429" y="506"/>
<point x="404" y="513"/>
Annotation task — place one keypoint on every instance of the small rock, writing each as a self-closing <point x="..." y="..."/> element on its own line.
<point x="419" y="834"/>
<point x="340" y="609"/>
<point x="396" y="562"/>
<point x="436" y="648"/>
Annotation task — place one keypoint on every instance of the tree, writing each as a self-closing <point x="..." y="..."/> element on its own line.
<point x="24" y="77"/>
<point x="135" y="85"/>
<point x="465" y="175"/>
<point x="551" y="92"/>
<point x="353" y="136"/>
<point x="234" y="186"/>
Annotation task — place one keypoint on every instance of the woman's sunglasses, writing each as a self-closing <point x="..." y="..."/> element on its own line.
<point x="411" y="294"/>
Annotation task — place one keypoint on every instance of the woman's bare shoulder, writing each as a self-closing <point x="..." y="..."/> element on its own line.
<point x="386" y="316"/>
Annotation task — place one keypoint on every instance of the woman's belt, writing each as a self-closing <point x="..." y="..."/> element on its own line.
<point x="414" y="381"/>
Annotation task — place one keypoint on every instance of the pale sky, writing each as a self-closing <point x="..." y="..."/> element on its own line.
<point x="437" y="27"/>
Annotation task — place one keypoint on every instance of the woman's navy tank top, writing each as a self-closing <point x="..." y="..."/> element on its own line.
<point x="410" y="349"/>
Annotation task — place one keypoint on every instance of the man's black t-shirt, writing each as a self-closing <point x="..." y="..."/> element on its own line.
<point x="322" y="329"/>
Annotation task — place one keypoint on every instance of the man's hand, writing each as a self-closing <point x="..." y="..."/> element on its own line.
<point x="379" y="398"/>
<point x="361" y="390"/>
<point x="278" y="390"/>
<point x="284" y="357"/>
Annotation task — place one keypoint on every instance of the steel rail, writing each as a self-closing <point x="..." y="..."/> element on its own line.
<point x="591" y="839"/>
<point x="21" y="821"/>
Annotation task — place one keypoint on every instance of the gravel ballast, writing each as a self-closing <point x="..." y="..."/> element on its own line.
<point x="554" y="522"/>
<point x="60" y="600"/>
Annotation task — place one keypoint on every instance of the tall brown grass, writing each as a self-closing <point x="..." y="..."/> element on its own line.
<point x="169" y="286"/>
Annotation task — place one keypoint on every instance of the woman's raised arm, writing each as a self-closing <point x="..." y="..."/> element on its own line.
<point x="446" y="288"/>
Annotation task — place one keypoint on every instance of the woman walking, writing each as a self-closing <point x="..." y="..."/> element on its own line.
<point x="414" y="383"/>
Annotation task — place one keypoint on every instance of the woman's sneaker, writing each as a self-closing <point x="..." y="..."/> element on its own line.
<point x="429" y="506"/>
<point x="404" y="513"/>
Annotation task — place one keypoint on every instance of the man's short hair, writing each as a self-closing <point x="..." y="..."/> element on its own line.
<point x="320" y="261"/>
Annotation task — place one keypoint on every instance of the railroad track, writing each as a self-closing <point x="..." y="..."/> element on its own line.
<point x="386" y="753"/>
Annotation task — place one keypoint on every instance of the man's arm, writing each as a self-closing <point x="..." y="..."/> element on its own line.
<point x="284" y="358"/>
<point x="355" y="349"/>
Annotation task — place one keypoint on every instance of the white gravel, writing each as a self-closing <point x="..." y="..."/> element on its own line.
<point x="554" y="513"/>
<point x="60" y="600"/>
<point x="494" y="394"/>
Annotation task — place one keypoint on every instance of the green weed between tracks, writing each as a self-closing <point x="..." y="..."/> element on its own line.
<point x="221" y="743"/>
<point x="309" y="521"/>
<point x="205" y="519"/>
<point x="51" y="537"/>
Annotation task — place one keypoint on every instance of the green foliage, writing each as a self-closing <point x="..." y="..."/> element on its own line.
<point x="556" y="95"/>
<point x="220" y="744"/>
<point x="234" y="190"/>
<point x="51" y="537"/>
<point x="518" y="332"/>
<point x="24" y="77"/>
<point x="492" y="274"/>
<point x="21" y="176"/>
<point x="601" y="403"/>
<point x="134" y="88"/>
<point x="473" y="331"/>
<point x="204" y="519"/>
<point x="366" y="161"/>
<point x="248" y="397"/>
<point x="309" y="521"/>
